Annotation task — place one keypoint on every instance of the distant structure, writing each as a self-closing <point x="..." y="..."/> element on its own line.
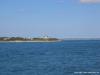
<point x="6" y="38"/>
<point x="45" y="37"/>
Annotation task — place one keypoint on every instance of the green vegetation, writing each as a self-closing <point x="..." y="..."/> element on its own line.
<point x="26" y="39"/>
<point x="45" y="39"/>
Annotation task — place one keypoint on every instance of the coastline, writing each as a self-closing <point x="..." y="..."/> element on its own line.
<point x="28" y="41"/>
<point x="22" y="39"/>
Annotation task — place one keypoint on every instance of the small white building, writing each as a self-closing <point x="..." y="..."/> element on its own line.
<point x="6" y="38"/>
<point x="45" y="37"/>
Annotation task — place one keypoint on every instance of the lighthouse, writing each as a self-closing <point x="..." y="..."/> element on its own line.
<point x="45" y="37"/>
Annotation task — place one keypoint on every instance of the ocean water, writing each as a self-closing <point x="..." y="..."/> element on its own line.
<point x="72" y="57"/>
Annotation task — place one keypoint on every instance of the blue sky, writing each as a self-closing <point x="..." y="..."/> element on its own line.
<point x="55" y="18"/>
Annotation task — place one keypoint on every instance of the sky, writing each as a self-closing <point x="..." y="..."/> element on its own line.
<point x="55" y="18"/>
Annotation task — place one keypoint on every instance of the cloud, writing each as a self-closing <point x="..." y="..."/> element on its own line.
<point x="89" y="1"/>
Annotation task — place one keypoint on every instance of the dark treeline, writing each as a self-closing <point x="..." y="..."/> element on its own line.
<point x="13" y="39"/>
<point x="26" y="39"/>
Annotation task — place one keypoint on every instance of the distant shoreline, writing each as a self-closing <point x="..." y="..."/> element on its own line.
<point x="29" y="41"/>
<point x="22" y="39"/>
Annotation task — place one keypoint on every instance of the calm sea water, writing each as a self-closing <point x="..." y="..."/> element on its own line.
<point x="56" y="58"/>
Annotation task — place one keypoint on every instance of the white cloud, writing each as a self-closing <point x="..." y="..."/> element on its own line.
<point x="90" y="1"/>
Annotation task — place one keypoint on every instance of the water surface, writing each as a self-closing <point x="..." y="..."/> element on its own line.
<point x="50" y="58"/>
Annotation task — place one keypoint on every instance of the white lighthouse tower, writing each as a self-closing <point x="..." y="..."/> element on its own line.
<point x="45" y="37"/>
